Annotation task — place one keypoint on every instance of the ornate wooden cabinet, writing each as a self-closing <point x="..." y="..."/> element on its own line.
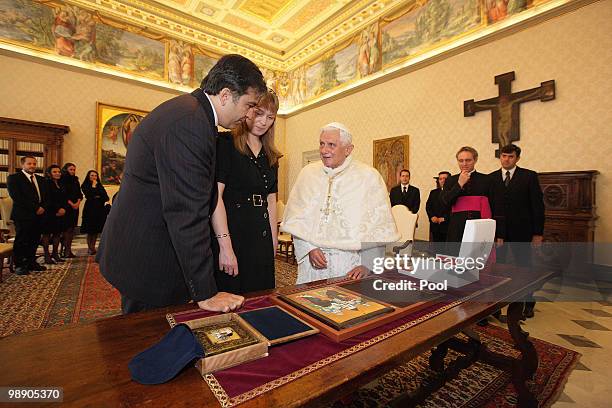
<point x="569" y="198"/>
<point x="22" y="137"/>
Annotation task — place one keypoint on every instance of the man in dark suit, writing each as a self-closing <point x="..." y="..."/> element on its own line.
<point x="155" y="247"/>
<point x="27" y="190"/>
<point x="406" y="194"/>
<point x="518" y="211"/>
<point x="437" y="213"/>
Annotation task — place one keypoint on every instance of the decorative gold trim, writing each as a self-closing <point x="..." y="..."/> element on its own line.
<point x="170" y="319"/>
<point x="332" y="35"/>
<point x="226" y="401"/>
<point x="484" y="35"/>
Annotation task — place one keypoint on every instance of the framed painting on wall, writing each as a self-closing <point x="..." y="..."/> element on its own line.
<point x="390" y="157"/>
<point x="115" y="126"/>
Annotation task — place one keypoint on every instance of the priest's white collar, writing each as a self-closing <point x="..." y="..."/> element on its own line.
<point x="332" y="172"/>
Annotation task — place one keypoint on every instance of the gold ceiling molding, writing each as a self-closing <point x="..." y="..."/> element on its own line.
<point x="346" y="23"/>
<point x="342" y="23"/>
<point x="183" y="29"/>
<point x="267" y="10"/>
<point x="349" y="50"/>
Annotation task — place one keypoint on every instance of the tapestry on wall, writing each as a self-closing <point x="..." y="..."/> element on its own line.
<point x="390" y="157"/>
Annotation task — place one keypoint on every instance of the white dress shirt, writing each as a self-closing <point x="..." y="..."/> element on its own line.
<point x="28" y="175"/>
<point x="503" y="171"/>
<point x="213" y="108"/>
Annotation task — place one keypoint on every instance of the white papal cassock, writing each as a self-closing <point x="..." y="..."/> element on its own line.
<point x="344" y="211"/>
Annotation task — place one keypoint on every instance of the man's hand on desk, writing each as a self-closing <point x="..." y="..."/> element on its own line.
<point x="358" y="272"/>
<point x="222" y="302"/>
<point x="317" y="259"/>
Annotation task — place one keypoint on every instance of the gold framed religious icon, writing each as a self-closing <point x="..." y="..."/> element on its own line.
<point x="223" y="336"/>
<point x="226" y="338"/>
<point x="335" y="306"/>
<point x="391" y="155"/>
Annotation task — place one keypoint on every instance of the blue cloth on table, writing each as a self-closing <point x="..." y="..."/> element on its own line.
<point x="163" y="361"/>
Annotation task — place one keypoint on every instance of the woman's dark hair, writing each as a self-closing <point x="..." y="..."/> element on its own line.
<point x="51" y="167"/>
<point x="65" y="168"/>
<point x="236" y="73"/>
<point x="86" y="181"/>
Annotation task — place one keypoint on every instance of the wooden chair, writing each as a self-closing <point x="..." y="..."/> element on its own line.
<point x="6" y="252"/>
<point x="6" y="224"/>
<point x="7" y="234"/>
<point x="285" y="241"/>
<point x="285" y="246"/>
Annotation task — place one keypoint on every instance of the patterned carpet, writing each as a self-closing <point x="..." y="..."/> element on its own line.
<point x="70" y="292"/>
<point x="76" y="292"/>
<point x="480" y="385"/>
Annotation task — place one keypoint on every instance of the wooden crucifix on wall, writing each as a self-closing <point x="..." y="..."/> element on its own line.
<point x="505" y="107"/>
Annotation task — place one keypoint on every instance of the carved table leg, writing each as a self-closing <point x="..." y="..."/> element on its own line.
<point x="524" y="368"/>
<point x="436" y="359"/>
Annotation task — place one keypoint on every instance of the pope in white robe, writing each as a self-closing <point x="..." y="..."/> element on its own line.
<point x="338" y="212"/>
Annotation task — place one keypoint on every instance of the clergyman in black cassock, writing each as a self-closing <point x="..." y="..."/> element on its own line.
<point x="438" y="214"/>
<point x="467" y="195"/>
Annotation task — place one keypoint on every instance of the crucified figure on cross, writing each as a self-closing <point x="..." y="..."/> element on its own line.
<point x="505" y="107"/>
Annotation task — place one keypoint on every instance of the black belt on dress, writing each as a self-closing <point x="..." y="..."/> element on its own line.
<point x="256" y="200"/>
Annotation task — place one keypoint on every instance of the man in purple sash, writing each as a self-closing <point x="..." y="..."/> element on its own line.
<point x="468" y="194"/>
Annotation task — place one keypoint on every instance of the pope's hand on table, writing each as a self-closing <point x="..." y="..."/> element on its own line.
<point x="358" y="272"/>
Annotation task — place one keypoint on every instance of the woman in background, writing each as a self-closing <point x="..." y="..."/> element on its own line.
<point x="73" y="197"/>
<point x="244" y="220"/>
<point x="94" y="211"/>
<point x="55" y="214"/>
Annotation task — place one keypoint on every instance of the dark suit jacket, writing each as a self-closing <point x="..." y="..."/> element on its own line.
<point x="155" y="247"/>
<point x="436" y="209"/>
<point x="519" y="208"/>
<point x="23" y="193"/>
<point x="411" y="199"/>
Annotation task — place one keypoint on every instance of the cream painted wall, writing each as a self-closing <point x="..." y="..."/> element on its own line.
<point x="46" y="92"/>
<point x="573" y="132"/>
<point x="280" y="142"/>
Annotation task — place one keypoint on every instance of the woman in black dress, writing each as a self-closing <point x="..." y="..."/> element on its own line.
<point x="94" y="211"/>
<point x="74" y="196"/>
<point x="55" y="214"/>
<point x="244" y="220"/>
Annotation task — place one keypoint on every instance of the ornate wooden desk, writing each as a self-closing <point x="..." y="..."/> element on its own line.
<point x="90" y="361"/>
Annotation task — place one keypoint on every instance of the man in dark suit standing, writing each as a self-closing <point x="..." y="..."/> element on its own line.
<point x="27" y="190"/>
<point x="406" y="194"/>
<point x="155" y="247"/>
<point x="437" y="213"/>
<point x="518" y="211"/>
